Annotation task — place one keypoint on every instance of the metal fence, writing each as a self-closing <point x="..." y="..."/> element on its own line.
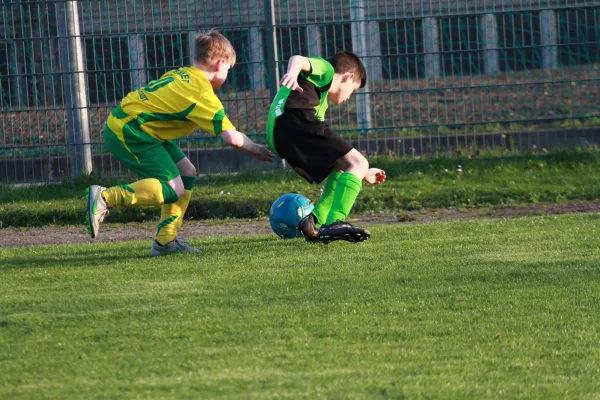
<point x="442" y="75"/>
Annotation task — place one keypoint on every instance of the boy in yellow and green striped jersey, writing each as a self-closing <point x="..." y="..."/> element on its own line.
<point x="141" y="130"/>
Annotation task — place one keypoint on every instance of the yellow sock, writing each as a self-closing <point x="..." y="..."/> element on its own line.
<point x="146" y="192"/>
<point x="187" y="195"/>
<point x="171" y="218"/>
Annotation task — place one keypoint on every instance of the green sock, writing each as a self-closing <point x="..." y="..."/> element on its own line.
<point x="347" y="189"/>
<point x="323" y="206"/>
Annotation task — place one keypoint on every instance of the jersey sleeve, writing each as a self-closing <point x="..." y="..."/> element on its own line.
<point x="321" y="72"/>
<point x="209" y="115"/>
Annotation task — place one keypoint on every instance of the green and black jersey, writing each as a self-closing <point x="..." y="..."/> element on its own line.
<point x="315" y="83"/>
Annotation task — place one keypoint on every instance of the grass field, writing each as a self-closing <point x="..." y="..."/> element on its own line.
<point x="472" y="309"/>
<point x="412" y="184"/>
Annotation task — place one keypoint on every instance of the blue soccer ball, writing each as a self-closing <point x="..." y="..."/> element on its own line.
<point x="286" y="212"/>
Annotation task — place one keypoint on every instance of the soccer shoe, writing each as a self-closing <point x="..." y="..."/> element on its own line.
<point x="177" y="246"/>
<point x="97" y="209"/>
<point x="308" y="229"/>
<point x="341" y="230"/>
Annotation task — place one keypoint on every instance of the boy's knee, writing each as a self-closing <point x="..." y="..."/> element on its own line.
<point x="353" y="162"/>
<point x="186" y="168"/>
<point x="360" y="162"/>
<point x="364" y="163"/>
<point x="177" y="185"/>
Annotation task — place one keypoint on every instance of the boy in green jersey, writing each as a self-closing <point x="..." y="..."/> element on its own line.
<point x="296" y="131"/>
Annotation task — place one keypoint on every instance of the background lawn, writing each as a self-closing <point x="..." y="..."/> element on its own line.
<point x="413" y="184"/>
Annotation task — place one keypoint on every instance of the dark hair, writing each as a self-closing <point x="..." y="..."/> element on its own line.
<point x="346" y="61"/>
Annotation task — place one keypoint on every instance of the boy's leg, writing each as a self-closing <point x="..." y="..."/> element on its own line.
<point x="355" y="167"/>
<point x="172" y="214"/>
<point x="146" y="157"/>
<point x="346" y="191"/>
<point x="323" y="206"/>
<point x="145" y="192"/>
<point x="309" y="225"/>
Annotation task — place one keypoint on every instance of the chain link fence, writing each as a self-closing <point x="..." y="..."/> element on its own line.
<point x="443" y="76"/>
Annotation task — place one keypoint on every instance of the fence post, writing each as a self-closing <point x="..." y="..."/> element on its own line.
<point x="137" y="60"/>
<point x="489" y="27"/>
<point x="374" y="42"/>
<point x="360" y="31"/>
<point x="191" y="46"/>
<point x="272" y="59"/>
<point x="314" y="39"/>
<point x="549" y="39"/>
<point x="256" y="56"/>
<point x="76" y="100"/>
<point x="431" y="44"/>
<point x="17" y="82"/>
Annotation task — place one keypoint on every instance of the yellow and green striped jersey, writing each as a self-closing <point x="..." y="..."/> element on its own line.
<point x="172" y="106"/>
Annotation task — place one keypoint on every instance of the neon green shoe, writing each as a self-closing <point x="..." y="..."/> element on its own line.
<point x="97" y="209"/>
<point x="177" y="246"/>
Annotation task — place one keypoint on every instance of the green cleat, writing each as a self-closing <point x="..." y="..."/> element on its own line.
<point x="97" y="209"/>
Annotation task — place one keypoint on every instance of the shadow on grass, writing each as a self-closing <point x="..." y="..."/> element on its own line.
<point x="77" y="259"/>
<point x="105" y="254"/>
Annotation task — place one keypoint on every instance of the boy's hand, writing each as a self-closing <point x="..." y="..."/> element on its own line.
<point x="263" y="153"/>
<point x="375" y="176"/>
<point x="290" y="81"/>
<point x="242" y="142"/>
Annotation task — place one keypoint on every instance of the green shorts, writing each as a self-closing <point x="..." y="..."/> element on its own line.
<point x="143" y="154"/>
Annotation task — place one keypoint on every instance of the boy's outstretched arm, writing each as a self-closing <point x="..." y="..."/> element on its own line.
<point x="295" y="65"/>
<point x="242" y="142"/>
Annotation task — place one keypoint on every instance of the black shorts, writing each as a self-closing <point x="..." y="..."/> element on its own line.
<point x="307" y="144"/>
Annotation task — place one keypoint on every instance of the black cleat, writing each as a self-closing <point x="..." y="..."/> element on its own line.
<point x="308" y="229"/>
<point x="341" y="230"/>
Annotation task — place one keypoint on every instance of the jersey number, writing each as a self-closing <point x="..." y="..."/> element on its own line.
<point x="155" y="85"/>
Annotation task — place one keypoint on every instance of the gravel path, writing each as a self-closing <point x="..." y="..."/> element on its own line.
<point x="16" y="237"/>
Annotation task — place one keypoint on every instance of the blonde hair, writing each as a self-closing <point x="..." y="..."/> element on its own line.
<point x="211" y="46"/>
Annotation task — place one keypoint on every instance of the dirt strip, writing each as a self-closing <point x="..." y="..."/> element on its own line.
<point x="49" y="235"/>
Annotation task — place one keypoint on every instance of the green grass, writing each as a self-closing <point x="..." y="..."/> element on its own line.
<point x="412" y="184"/>
<point x="473" y="309"/>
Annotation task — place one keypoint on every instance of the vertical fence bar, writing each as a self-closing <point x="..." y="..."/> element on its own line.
<point x="76" y="102"/>
<point x="549" y="38"/>
<point x="256" y="56"/>
<point x="271" y="39"/>
<point x="137" y="60"/>
<point x="360" y="29"/>
<point x="431" y="44"/>
<point x="15" y="70"/>
<point x="374" y="47"/>
<point x="272" y="58"/>
<point x="191" y="46"/>
<point x="313" y="35"/>
<point x="491" y="59"/>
